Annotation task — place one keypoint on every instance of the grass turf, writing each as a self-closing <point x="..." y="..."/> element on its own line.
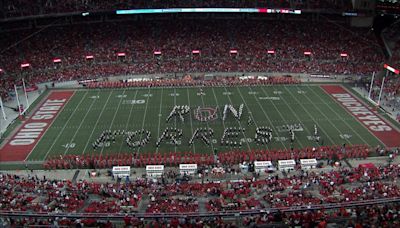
<point x="89" y="112"/>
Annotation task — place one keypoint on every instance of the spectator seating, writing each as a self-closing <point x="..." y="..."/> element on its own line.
<point x="176" y="40"/>
<point x="20" y="8"/>
<point x="296" y="190"/>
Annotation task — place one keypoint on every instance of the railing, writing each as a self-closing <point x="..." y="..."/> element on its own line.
<point x="146" y="216"/>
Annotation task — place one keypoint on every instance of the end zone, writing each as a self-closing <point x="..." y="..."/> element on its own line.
<point x="28" y="135"/>
<point x="379" y="127"/>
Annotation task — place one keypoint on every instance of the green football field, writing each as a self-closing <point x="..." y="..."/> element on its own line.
<point x="89" y="112"/>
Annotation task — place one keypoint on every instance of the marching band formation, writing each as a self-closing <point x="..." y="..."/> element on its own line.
<point x="232" y="132"/>
<point x="131" y="142"/>
<point x="202" y="133"/>
<point x="236" y="114"/>
<point x="263" y="135"/>
<point x="231" y="135"/>
<point x="172" y="134"/>
<point x="200" y="117"/>
<point x="179" y="110"/>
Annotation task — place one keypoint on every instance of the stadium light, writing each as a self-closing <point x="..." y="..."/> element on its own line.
<point x="89" y="57"/>
<point x="25" y="65"/>
<point x="56" y="60"/>
<point x="343" y="55"/>
<point x="271" y="52"/>
<point x="121" y="54"/>
<point x="307" y="53"/>
<point x="196" y="52"/>
<point x="233" y="51"/>
<point x="1" y="70"/>
<point x="157" y="52"/>
<point x="389" y="68"/>
<point x="209" y="10"/>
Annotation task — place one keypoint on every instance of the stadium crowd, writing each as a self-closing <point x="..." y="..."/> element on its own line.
<point x="390" y="94"/>
<point x="228" y="158"/>
<point x="303" y="189"/>
<point x="19" y="8"/>
<point x="154" y="47"/>
<point x="175" y="40"/>
<point x="188" y="81"/>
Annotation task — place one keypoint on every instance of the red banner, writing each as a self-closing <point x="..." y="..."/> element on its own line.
<point x="26" y="138"/>
<point x="379" y="127"/>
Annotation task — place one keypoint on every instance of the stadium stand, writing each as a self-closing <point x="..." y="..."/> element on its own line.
<point x="363" y="196"/>
<point x="22" y="8"/>
<point x="297" y="190"/>
<point x="139" y="41"/>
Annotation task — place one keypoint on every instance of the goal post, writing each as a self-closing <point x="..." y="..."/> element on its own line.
<point x="2" y="109"/>
<point x="372" y="84"/>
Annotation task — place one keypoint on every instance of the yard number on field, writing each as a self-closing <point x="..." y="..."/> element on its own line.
<point x="69" y="145"/>
<point x="132" y="102"/>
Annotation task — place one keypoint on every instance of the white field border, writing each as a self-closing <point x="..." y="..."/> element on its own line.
<point x="51" y="124"/>
<point x="65" y="125"/>
<point x="367" y="106"/>
<point x="345" y="122"/>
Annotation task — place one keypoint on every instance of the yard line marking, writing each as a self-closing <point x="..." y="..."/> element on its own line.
<point x="80" y="125"/>
<point x="265" y="114"/>
<point x="297" y="117"/>
<point x="144" y="118"/>
<point x="244" y="134"/>
<point x="215" y="97"/>
<point x="251" y="113"/>
<point x="280" y="114"/>
<point x="312" y="117"/>
<point x="16" y="151"/>
<point x="208" y="126"/>
<point x="115" y="114"/>
<point x="384" y="131"/>
<point x="127" y="122"/>
<point x="191" y="122"/>
<point x="94" y="127"/>
<point x="65" y="125"/>
<point x="175" y="117"/>
<point x="340" y="132"/>
<point x="345" y="122"/>
<point x="159" y="118"/>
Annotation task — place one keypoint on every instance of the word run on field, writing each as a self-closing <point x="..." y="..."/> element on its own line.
<point x="232" y="136"/>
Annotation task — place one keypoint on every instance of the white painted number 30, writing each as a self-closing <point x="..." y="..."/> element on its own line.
<point x="132" y="102"/>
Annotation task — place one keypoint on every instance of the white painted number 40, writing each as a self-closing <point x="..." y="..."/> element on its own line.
<point x="69" y="145"/>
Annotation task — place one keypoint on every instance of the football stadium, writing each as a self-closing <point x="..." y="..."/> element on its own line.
<point x="182" y="113"/>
